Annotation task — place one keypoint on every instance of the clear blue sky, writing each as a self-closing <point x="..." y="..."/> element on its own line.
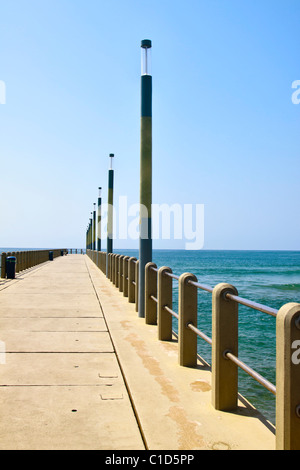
<point x="225" y="130"/>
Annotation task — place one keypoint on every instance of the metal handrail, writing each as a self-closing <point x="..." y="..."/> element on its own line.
<point x="236" y="298"/>
<point x="154" y="269"/>
<point x="173" y="276"/>
<point x="201" y="286"/>
<point x="251" y="304"/>
<point x="262" y="308"/>
<point x="199" y="333"/>
<point x="168" y="309"/>
<point x="227" y="354"/>
<point x="259" y="378"/>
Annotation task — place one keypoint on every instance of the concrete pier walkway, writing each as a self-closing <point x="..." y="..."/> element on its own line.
<point x="82" y="371"/>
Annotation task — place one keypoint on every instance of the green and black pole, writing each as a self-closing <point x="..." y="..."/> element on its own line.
<point x="145" y="245"/>
<point x="90" y="234"/>
<point x="87" y="237"/>
<point x="91" y="230"/>
<point x="99" y="222"/>
<point x="94" y="227"/>
<point x="109" y="248"/>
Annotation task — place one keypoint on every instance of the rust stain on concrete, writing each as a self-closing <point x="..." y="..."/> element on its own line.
<point x="200" y="386"/>
<point x="125" y="324"/>
<point x="153" y="367"/>
<point x="188" y="437"/>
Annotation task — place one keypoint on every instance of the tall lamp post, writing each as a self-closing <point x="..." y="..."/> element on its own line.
<point x="94" y="227"/>
<point x="109" y="248"/>
<point x="90" y="234"/>
<point x="99" y="222"/>
<point x="145" y="242"/>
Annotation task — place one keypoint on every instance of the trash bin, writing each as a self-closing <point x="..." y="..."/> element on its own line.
<point x="50" y="255"/>
<point x="61" y="252"/>
<point x="11" y="267"/>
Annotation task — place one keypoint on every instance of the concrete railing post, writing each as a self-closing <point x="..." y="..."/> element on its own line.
<point x="20" y="261"/>
<point x="117" y="262"/>
<point x="187" y="339"/>
<point x="150" y="289"/>
<point x="17" y="255"/>
<point x="224" y="339"/>
<point x="121" y="263"/>
<point x="3" y="265"/>
<point x="137" y="285"/>
<point x="112" y="267"/>
<point x="110" y="261"/>
<point x="164" y="296"/>
<point x="131" y="280"/>
<point x="117" y="267"/>
<point x="108" y="265"/>
<point x="288" y="377"/>
<point x="103" y="262"/>
<point x="125" y="276"/>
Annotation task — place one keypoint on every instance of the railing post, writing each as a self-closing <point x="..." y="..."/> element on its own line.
<point x="17" y="255"/>
<point x="117" y="267"/>
<point x="108" y="265"/>
<point x="113" y="264"/>
<point x="109" y="257"/>
<point x="20" y="259"/>
<point x="3" y="265"/>
<point x="125" y="276"/>
<point x="150" y="289"/>
<point x="288" y="377"/>
<point x="137" y="285"/>
<point x="224" y="339"/>
<point x="131" y="279"/>
<point x="121" y="263"/>
<point x="164" y="296"/>
<point x="187" y="314"/>
<point x="104" y="255"/>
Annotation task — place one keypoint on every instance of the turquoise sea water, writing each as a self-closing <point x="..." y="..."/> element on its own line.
<point x="268" y="277"/>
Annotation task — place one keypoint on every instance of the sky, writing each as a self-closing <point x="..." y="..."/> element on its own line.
<point x="225" y="124"/>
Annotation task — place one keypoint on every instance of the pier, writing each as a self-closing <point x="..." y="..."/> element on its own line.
<point x="83" y="371"/>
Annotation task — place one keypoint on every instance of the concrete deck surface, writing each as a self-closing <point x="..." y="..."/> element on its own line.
<point x="82" y="371"/>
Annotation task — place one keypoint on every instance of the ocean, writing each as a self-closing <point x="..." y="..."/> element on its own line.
<point x="271" y="278"/>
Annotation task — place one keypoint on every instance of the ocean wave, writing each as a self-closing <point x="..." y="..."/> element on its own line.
<point x="290" y="287"/>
